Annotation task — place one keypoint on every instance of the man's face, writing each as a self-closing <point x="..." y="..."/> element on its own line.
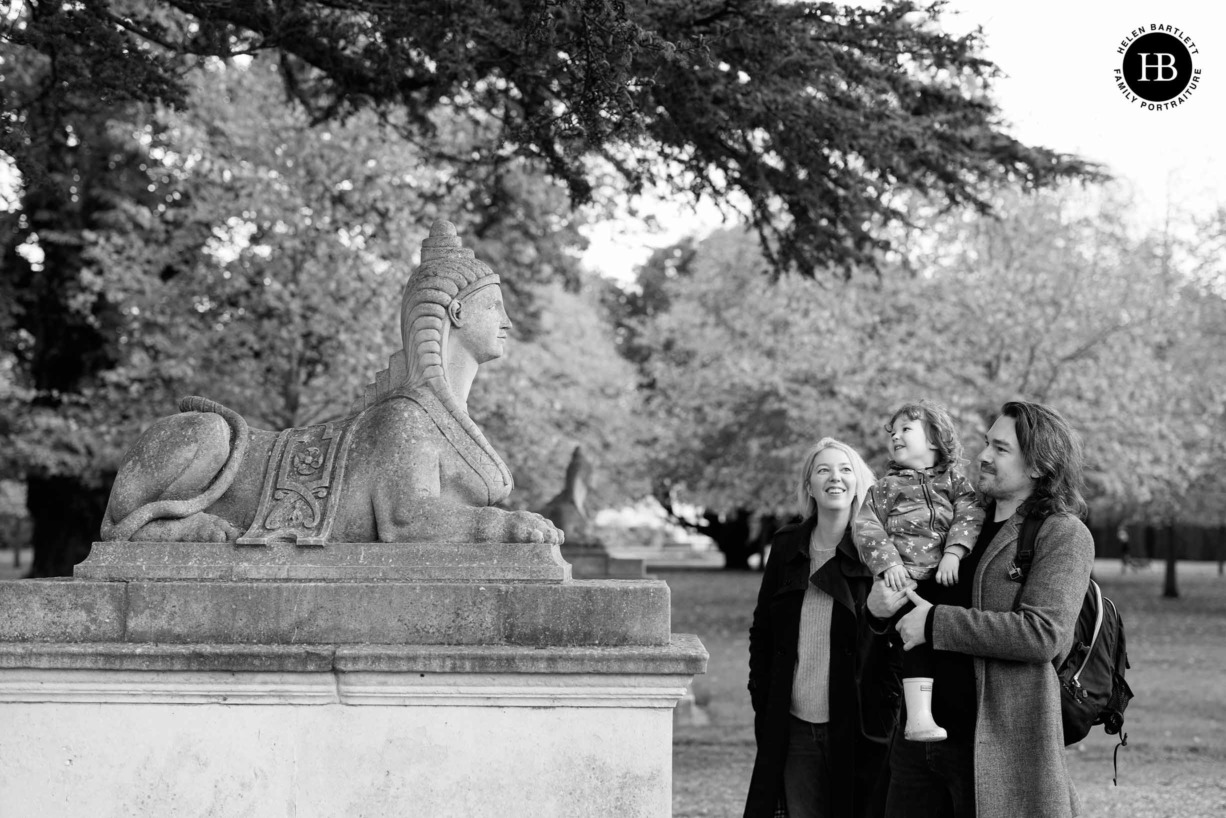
<point x="1003" y="473"/>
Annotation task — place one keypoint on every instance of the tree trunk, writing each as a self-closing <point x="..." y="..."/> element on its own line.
<point x="66" y="513"/>
<point x="731" y="534"/>
<point x="1170" y="590"/>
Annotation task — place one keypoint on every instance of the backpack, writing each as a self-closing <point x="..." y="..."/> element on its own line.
<point x="1092" y="685"/>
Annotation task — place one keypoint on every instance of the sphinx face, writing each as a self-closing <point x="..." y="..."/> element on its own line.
<point x="483" y="325"/>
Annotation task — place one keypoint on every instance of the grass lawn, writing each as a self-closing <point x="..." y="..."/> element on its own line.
<point x="1175" y="761"/>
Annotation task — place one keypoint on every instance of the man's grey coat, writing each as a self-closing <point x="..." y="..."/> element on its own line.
<point x="1014" y="630"/>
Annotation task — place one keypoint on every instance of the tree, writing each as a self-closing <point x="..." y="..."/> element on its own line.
<point x="567" y="386"/>
<point x="812" y="114"/>
<point x="1055" y="300"/>
<point x="265" y="273"/>
<point x="741" y="373"/>
<point x="63" y="90"/>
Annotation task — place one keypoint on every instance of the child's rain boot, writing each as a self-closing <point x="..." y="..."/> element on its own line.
<point x="920" y="726"/>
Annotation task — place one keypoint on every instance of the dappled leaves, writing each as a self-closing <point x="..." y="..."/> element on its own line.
<point x="809" y="116"/>
<point x="566" y="387"/>
<point x="1054" y="301"/>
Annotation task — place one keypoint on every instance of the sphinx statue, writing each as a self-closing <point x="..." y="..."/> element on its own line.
<point x="566" y="510"/>
<point x="408" y="465"/>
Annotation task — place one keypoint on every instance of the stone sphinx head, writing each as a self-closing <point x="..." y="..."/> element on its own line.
<point x="450" y="291"/>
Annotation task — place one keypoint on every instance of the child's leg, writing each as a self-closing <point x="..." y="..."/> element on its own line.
<point x="917" y="691"/>
<point x="917" y="662"/>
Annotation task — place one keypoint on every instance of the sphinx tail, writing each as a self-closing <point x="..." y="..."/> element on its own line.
<point x="163" y="509"/>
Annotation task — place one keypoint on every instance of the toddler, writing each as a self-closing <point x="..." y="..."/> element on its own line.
<point x="916" y="524"/>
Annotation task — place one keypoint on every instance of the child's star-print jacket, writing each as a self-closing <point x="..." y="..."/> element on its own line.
<point x="910" y="517"/>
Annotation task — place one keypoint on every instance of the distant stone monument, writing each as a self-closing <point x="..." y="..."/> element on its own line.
<point x="338" y="620"/>
<point x="566" y="510"/>
<point x="587" y="554"/>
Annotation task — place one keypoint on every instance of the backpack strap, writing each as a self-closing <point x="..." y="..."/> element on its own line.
<point x="1097" y="594"/>
<point x="1025" y="548"/>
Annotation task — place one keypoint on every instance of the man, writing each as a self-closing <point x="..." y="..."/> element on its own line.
<point x="995" y="689"/>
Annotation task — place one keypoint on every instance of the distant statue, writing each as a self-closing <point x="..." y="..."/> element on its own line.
<point x="566" y="510"/>
<point x="409" y="465"/>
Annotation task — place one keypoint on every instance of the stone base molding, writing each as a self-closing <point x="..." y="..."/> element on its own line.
<point x="383" y="730"/>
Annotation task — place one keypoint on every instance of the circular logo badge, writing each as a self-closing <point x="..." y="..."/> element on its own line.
<point x="1157" y="66"/>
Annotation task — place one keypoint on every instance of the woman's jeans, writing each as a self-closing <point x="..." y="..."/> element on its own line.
<point x="806" y="773"/>
<point x="933" y="779"/>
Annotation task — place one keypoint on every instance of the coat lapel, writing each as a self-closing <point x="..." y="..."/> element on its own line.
<point x="1004" y="538"/>
<point x="832" y="577"/>
<point x="796" y="568"/>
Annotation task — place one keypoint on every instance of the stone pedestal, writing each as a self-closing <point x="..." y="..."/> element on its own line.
<point x="594" y="562"/>
<point x="426" y="682"/>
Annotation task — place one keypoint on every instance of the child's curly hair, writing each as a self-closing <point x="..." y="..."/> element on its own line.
<point x="938" y="426"/>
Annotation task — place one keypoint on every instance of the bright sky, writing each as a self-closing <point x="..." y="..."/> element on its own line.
<point x="1059" y="91"/>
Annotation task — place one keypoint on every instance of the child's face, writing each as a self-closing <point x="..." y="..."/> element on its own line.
<point x="909" y="444"/>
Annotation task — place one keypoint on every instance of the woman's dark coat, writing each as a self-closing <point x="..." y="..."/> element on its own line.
<point x="865" y="687"/>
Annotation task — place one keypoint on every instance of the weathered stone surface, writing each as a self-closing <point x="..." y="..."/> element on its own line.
<point x="584" y="613"/>
<point x="315" y="612"/>
<point x="563" y="752"/>
<point x="612" y="613"/>
<point x="62" y="610"/>
<point x="593" y="563"/>
<point x="455" y="562"/>
<point x="409" y="465"/>
<point x="154" y="657"/>
<point x="684" y="655"/>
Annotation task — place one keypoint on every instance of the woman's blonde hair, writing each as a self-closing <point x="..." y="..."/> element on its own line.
<point x="863" y="474"/>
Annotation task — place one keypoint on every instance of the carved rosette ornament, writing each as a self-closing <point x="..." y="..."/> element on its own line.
<point x="301" y="490"/>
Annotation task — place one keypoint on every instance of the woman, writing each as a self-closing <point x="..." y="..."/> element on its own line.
<point x="825" y="688"/>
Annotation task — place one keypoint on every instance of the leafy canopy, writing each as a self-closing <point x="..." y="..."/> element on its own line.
<point x="1054" y="301"/>
<point x="811" y="114"/>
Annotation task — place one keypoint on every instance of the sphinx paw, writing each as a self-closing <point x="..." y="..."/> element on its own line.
<point x="528" y="526"/>
<point x="209" y="528"/>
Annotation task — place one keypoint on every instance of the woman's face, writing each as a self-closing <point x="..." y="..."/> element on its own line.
<point x="832" y="482"/>
<point x="483" y="325"/>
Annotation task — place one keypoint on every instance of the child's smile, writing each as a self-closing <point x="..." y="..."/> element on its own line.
<point x="910" y="446"/>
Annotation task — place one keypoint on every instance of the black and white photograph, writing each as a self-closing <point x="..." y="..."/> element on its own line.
<point x="612" y="408"/>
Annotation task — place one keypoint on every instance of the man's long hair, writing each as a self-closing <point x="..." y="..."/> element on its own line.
<point x="1051" y="447"/>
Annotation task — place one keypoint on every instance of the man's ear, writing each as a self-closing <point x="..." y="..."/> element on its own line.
<point x="455" y="312"/>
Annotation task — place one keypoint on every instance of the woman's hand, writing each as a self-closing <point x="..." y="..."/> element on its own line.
<point x="884" y="602"/>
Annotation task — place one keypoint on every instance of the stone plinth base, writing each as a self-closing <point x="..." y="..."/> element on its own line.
<point x="149" y="730"/>
<point x="416" y="562"/>
<point x="597" y="563"/>
<point x="288" y="612"/>
<point x="360" y="679"/>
